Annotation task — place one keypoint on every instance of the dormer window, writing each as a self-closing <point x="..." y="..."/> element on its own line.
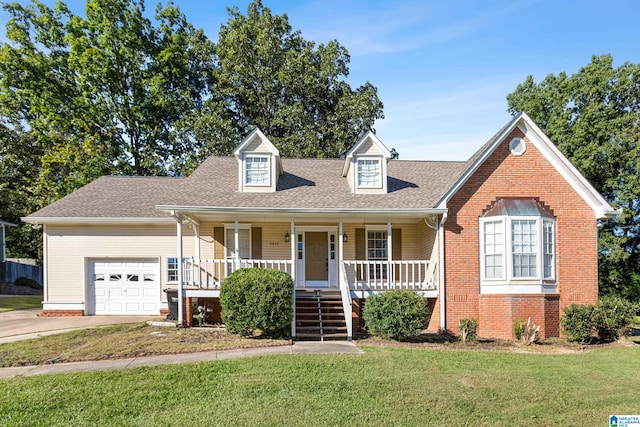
<point x="369" y="173"/>
<point x="259" y="164"/>
<point x="365" y="166"/>
<point x="257" y="170"/>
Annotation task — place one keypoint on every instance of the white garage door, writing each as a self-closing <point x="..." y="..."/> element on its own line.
<point x="124" y="287"/>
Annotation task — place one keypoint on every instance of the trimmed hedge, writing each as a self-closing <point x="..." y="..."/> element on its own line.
<point x="608" y="319"/>
<point x="396" y="314"/>
<point x="25" y="281"/>
<point x="257" y="300"/>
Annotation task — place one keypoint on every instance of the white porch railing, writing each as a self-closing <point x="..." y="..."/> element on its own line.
<point x="209" y="273"/>
<point x="356" y="275"/>
<point x="383" y="275"/>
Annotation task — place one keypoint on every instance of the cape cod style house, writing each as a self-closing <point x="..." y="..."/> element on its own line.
<point x="511" y="233"/>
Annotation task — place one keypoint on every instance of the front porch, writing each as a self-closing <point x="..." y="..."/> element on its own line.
<point x="347" y="260"/>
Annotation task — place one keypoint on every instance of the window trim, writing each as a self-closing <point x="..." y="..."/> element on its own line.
<point x="508" y="278"/>
<point x="245" y="175"/>
<point x="169" y="269"/>
<point x="377" y="159"/>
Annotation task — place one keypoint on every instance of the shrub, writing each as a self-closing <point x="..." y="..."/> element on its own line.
<point x="25" y="281"/>
<point x="396" y="314"/>
<point x="525" y="332"/>
<point x="577" y="322"/>
<point x="257" y="299"/>
<point x="468" y="329"/>
<point x="612" y="316"/>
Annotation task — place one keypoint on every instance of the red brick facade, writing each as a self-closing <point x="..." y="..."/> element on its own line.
<point x="530" y="175"/>
<point x="61" y="313"/>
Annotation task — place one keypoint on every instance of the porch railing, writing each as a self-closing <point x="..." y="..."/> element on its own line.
<point x="383" y="275"/>
<point x="357" y="275"/>
<point x="209" y="273"/>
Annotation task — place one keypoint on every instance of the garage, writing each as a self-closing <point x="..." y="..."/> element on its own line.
<point x="124" y="287"/>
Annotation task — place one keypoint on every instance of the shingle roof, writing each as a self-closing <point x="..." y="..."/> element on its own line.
<point x="306" y="184"/>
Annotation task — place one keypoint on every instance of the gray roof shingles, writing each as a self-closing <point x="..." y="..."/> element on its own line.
<point x="306" y="184"/>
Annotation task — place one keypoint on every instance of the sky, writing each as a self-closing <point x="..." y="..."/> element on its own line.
<point x="443" y="69"/>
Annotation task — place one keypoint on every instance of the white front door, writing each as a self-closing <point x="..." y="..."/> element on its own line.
<point x="123" y="287"/>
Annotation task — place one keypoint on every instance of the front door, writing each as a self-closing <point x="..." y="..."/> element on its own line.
<point x="316" y="263"/>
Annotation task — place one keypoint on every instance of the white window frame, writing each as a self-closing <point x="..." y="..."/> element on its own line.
<point x="541" y="245"/>
<point x="363" y="159"/>
<point x="248" y="157"/>
<point x="186" y="274"/>
<point x="382" y="274"/>
<point x="228" y="244"/>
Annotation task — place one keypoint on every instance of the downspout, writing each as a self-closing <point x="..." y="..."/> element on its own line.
<point x="441" y="284"/>
<point x="294" y="242"/>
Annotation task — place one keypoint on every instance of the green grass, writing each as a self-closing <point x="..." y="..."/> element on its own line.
<point x="119" y="341"/>
<point x="386" y="386"/>
<point x="20" y="303"/>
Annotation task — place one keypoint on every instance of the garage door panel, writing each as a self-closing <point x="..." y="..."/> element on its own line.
<point x="124" y="287"/>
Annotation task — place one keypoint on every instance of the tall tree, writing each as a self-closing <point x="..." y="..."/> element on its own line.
<point x="269" y="76"/>
<point x="102" y="93"/>
<point x="594" y="118"/>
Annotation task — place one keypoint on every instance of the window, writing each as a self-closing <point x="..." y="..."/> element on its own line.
<point x="524" y="248"/>
<point x="257" y="170"/>
<point x="517" y="246"/>
<point x="493" y="249"/>
<point x="377" y="251"/>
<point x="172" y="269"/>
<point x="549" y="245"/>
<point x="244" y="243"/>
<point x="369" y="173"/>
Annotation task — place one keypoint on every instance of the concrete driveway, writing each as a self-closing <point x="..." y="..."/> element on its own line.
<point x="25" y="324"/>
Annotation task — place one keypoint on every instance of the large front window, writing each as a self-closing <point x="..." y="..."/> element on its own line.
<point x="519" y="249"/>
<point x="257" y="170"/>
<point x="369" y="173"/>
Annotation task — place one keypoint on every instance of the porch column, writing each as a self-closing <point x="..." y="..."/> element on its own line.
<point x="389" y="253"/>
<point x="236" y="240"/>
<point x="180" y="271"/>
<point x="294" y="242"/>
<point x="340" y="249"/>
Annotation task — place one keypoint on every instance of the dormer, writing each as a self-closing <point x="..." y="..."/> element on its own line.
<point x="365" y="166"/>
<point x="259" y="164"/>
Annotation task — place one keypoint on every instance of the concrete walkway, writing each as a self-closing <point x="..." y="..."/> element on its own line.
<point x="305" y="347"/>
<point x="20" y="325"/>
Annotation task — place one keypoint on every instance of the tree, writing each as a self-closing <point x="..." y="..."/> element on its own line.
<point x="269" y="76"/>
<point x="594" y="118"/>
<point x="102" y="93"/>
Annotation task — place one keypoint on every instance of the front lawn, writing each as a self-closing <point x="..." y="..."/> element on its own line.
<point x="119" y="341"/>
<point x="9" y="303"/>
<point x="385" y="386"/>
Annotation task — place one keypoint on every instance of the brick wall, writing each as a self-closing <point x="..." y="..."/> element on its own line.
<point x="498" y="312"/>
<point x="527" y="176"/>
<point x="61" y="313"/>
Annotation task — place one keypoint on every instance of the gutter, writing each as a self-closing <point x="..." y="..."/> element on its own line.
<point x="290" y="211"/>
<point x="94" y="220"/>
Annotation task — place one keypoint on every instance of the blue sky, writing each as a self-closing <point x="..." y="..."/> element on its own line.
<point x="442" y="68"/>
